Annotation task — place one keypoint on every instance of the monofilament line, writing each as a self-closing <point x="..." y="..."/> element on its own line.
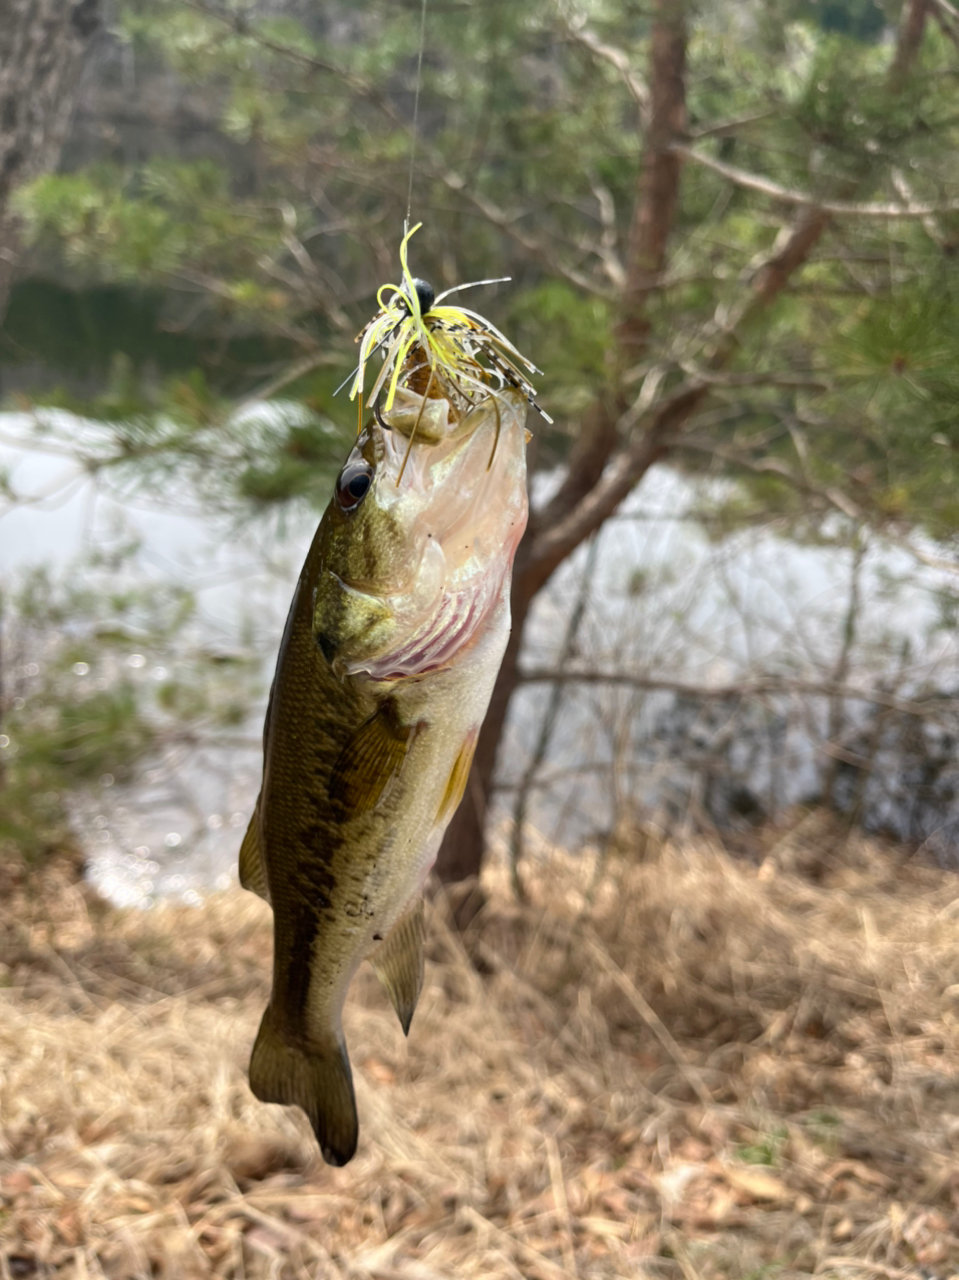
<point x="416" y="111"/>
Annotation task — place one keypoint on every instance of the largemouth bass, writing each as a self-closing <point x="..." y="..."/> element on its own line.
<point x="393" y="641"/>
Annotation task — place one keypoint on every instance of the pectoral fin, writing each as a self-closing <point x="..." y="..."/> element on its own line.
<point x="252" y="870"/>
<point x="456" y="784"/>
<point x="370" y="762"/>
<point x="399" y="963"/>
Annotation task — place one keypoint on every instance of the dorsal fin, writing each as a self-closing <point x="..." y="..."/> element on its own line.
<point x="252" y="868"/>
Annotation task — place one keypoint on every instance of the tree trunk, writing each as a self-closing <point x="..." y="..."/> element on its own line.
<point x="604" y="466"/>
<point x="657" y="194"/>
<point x="42" y="48"/>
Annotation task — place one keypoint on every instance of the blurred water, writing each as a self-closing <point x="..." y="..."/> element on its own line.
<point x="178" y="831"/>
<point x="663" y="600"/>
<point x="667" y="602"/>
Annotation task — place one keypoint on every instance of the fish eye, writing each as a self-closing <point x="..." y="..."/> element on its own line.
<point x="352" y="485"/>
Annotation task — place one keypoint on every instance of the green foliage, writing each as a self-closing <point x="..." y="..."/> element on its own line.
<point x="527" y="160"/>
<point x="572" y="333"/>
<point x="861" y="19"/>
<point x="766" y="1149"/>
<point x="165" y="219"/>
<point x="298" y="462"/>
<point x="81" y="704"/>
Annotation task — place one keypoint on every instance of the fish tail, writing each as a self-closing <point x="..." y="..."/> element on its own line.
<point x="319" y="1080"/>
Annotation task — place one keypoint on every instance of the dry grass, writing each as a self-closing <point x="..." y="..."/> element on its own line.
<point x="706" y="1070"/>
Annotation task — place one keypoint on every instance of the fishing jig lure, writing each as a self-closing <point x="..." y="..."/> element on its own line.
<point x="437" y="349"/>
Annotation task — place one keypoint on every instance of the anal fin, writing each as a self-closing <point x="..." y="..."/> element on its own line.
<point x="398" y="962"/>
<point x="252" y="869"/>
<point x="371" y="761"/>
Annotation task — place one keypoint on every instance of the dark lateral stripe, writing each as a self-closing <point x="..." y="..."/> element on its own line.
<point x="313" y="892"/>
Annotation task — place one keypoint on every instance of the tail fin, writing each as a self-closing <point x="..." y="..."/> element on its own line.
<point x="319" y="1081"/>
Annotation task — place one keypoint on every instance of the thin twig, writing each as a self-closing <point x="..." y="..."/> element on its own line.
<point x="652" y="1020"/>
<point x="804" y="199"/>
<point x="770" y="686"/>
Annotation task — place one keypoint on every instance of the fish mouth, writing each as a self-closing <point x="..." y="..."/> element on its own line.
<point x="468" y="491"/>
<point x="429" y="420"/>
<point x="427" y="564"/>
<point x="455" y="465"/>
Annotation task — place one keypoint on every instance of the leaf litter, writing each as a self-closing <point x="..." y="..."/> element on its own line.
<point x="689" y="1066"/>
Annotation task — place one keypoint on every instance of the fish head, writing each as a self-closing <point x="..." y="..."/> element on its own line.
<point x="418" y="541"/>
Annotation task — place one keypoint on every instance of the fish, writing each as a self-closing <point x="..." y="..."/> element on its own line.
<point x="393" y="641"/>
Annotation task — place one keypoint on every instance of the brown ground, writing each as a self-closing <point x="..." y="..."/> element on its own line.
<point x="704" y="1071"/>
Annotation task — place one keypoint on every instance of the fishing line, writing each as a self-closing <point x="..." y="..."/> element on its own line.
<point x="416" y="113"/>
<point x="409" y="190"/>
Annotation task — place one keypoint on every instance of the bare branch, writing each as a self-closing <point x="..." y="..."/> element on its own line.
<point x="715" y="378"/>
<point x="774" y="467"/>
<point x="724" y="127"/>
<point x="508" y="222"/>
<point x="790" y="251"/>
<point x="240" y="25"/>
<point x="607" y="247"/>
<point x="292" y="372"/>
<point x="929" y="223"/>
<point x="832" y="208"/>
<point x="948" y="18"/>
<point x="637" y="87"/>
<point x="827" y="494"/>
<point x="767" y="686"/>
<point x="562" y="533"/>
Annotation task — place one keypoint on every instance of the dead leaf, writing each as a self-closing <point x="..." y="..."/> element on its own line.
<point x="672" y="1183"/>
<point x="755" y="1184"/>
<point x="861" y="1172"/>
<point x="605" y="1227"/>
<point x="379" y="1071"/>
<point x="69" y="1227"/>
<point x="17" y="1183"/>
<point x="721" y="1206"/>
